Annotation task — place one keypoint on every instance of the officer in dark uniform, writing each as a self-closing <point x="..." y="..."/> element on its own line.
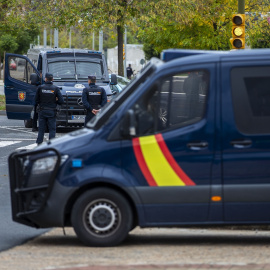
<point x="93" y="98"/>
<point x="129" y="71"/>
<point x="47" y="97"/>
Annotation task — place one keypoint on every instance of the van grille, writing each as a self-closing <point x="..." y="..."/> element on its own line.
<point x="71" y="111"/>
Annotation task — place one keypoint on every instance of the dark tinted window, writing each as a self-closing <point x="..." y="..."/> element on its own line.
<point x="251" y="99"/>
<point x="175" y="101"/>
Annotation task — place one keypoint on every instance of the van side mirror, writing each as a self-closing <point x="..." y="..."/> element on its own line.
<point x="128" y="126"/>
<point x="34" y="78"/>
<point x="113" y="79"/>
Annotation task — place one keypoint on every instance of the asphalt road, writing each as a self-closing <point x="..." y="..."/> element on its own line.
<point x="13" y="136"/>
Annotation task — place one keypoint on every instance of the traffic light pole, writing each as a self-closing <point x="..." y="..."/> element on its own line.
<point x="241" y="6"/>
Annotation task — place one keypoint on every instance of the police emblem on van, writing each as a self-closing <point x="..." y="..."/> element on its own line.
<point x="21" y="95"/>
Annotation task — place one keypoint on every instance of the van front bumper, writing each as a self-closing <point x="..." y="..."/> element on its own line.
<point x="32" y="176"/>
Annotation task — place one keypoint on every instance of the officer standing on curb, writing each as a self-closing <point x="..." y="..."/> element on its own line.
<point x="46" y="99"/>
<point x="93" y="98"/>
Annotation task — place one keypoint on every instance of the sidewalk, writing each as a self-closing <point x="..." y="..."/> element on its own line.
<point x="145" y="249"/>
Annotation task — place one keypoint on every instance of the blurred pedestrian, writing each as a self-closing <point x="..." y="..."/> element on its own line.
<point x="129" y="71"/>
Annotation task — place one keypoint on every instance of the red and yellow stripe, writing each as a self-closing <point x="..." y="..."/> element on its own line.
<point x="157" y="163"/>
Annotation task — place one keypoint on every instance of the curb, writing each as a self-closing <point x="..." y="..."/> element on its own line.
<point x="170" y="267"/>
<point x="3" y="113"/>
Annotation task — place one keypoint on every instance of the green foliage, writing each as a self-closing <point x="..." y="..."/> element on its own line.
<point x="149" y="51"/>
<point x="17" y="28"/>
<point x="8" y="43"/>
<point x="188" y="24"/>
<point x="89" y="16"/>
<point x="2" y="102"/>
<point x="158" y="24"/>
<point x="193" y="24"/>
<point x="258" y="29"/>
<point x="24" y="38"/>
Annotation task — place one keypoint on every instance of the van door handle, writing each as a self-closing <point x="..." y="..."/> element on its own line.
<point x="10" y="87"/>
<point x="241" y="143"/>
<point x="197" y="145"/>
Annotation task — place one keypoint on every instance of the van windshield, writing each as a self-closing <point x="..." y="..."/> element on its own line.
<point x="75" y="70"/>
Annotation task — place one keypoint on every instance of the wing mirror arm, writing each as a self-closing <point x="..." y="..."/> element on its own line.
<point x="128" y="125"/>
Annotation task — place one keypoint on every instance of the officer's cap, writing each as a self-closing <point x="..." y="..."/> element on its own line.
<point x="49" y="76"/>
<point x="92" y="77"/>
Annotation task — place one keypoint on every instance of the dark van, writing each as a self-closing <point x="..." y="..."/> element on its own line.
<point x="186" y="143"/>
<point x="70" y="68"/>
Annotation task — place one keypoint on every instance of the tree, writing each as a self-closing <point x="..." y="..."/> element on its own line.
<point x="7" y="43"/>
<point x="258" y="30"/>
<point x="194" y="24"/>
<point x="17" y="29"/>
<point x="188" y="24"/>
<point x="90" y="16"/>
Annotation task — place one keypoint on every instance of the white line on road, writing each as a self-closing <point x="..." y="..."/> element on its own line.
<point x="14" y="129"/>
<point x="8" y="139"/>
<point x="7" y="143"/>
<point x="27" y="147"/>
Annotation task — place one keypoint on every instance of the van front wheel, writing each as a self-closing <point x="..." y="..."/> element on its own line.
<point x="101" y="217"/>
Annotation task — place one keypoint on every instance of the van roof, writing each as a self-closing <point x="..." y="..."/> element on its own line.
<point x="216" y="56"/>
<point x="170" y="54"/>
<point x="60" y="50"/>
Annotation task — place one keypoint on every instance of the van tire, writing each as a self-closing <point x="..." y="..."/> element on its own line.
<point x="28" y="123"/>
<point x="101" y="217"/>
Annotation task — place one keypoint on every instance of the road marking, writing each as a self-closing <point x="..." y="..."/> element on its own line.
<point x="7" y="143"/>
<point x="21" y="139"/>
<point x="19" y="130"/>
<point x="27" y="147"/>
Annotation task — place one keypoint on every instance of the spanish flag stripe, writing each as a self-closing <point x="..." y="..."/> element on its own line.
<point x="157" y="163"/>
<point x="166" y="152"/>
<point x="140" y="159"/>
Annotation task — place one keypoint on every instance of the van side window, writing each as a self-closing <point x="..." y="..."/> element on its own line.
<point x="176" y="101"/>
<point x="251" y="99"/>
<point x="17" y="68"/>
<point x="183" y="98"/>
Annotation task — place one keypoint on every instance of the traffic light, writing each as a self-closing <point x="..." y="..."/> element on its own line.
<point x="238" y="31"/>
<point x="124" y="53"/>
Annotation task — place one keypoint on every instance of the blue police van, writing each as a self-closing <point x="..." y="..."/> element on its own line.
<point x="70" y="68"/>
<point x="186" y="143"/>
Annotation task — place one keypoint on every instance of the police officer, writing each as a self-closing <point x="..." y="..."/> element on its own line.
<point x="93" y="98"/>
<point x="129" y="71"/>
<point x="47" y="97"/>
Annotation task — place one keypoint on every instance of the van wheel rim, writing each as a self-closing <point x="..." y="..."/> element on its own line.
<point x="102" y="217"/>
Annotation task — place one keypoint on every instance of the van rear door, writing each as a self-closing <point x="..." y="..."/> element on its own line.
<point x="19" y="91"/>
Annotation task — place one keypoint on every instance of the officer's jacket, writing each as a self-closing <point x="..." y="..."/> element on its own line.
<point x="48" y="96"/>
<point x="94" y="97"/>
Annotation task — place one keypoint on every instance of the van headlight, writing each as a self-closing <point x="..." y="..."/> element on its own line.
<point x="44" y="165"/>
<point x="47" y="164"/>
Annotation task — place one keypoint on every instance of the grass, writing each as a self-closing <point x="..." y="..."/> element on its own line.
<point x="2" y="103"/>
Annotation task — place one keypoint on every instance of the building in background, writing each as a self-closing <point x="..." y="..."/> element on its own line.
<point x="134" y="55"/>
